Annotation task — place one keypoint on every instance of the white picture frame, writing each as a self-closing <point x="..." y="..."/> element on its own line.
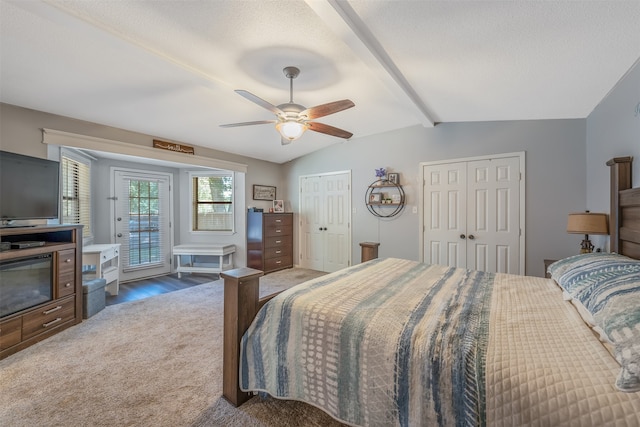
<point x="278" y="206"/>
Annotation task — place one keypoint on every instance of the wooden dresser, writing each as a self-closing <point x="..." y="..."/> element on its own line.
<point x="269" y="241"/>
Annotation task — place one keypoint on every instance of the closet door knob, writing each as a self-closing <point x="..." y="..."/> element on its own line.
<point x="471" y="237"/>
<point x="462" y="236"/>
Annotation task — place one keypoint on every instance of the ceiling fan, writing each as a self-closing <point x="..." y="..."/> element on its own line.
<point x="292" y="120"/>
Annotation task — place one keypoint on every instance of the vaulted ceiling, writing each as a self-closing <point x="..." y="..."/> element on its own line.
<point x="170" y="68"/>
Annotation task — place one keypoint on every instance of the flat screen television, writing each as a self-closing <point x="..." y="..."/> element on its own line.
<point x="29" y="188"/>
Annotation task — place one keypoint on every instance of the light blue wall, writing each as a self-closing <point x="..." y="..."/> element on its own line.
<point x="613" y="130"/>
<point x="555" y="178"/>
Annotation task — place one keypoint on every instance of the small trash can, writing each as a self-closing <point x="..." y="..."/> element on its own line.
<point x="93" y="297"/>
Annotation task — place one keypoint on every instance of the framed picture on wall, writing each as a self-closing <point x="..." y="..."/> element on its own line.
<point x="394" y="178"/>
<point x="278" y="206"/>
<point x="264" y="192"/>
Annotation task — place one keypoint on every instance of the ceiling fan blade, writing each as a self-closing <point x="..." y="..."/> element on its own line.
<point x="261" y="102"/>
<point x="326" y="109"/>
<point x="259" y="122"/>
<point x="329" y="130"/>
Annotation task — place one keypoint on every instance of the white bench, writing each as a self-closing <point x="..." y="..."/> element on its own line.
<point x="222" y="258"/>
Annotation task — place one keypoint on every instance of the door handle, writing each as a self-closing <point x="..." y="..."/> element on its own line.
<point x="119" y="234"/>
<point x="471" y="237"/>
<point x="462" y="236"/>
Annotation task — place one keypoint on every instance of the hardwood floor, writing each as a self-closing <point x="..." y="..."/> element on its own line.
<point x="131" y="291"/>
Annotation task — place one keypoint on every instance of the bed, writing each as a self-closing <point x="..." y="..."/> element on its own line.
<point x="397" y="342"/>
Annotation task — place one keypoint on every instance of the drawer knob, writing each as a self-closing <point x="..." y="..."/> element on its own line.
<point x="67" y="260"/>
<point x="278" y="230"/>
<point x="278" y="252"/>
<point x="278" y="241"/>
<point x="278" y="262"/>
<point x="67" y="285"/>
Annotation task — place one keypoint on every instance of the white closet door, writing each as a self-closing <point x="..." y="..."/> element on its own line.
<point x="325" y="216"/>
<point x="472" y="214"/>
<point x="493" y="227"/>
<point x="445" y="214"/>
<point x="337" y="245"/>
<point x="311" y="218"/>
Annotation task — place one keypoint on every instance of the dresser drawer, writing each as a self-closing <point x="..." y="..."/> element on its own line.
<point x="277" y="242"/>
<point x="283" y="251"/>
<point x="66" y="261"/>
<point x="66" y="284"/>
<point x="10" y="332"/>
<point x="277" y="263"/>
<point x="48" y="317"/>
<point x="277" y="230"/>
<point x="278" y="220"/>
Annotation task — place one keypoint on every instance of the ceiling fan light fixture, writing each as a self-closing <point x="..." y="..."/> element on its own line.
<point x="291" y="129"/>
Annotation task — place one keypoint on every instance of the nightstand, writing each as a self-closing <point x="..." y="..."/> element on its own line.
<point x="547" y="263"/>
<point x="369" y="251"/>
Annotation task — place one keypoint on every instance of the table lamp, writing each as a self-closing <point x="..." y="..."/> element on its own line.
<point x="587" y="223"/>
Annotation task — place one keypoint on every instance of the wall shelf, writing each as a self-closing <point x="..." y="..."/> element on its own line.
<point x="381" y="190"/>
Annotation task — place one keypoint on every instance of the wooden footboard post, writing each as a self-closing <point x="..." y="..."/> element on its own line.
<point x="241" y="295"/>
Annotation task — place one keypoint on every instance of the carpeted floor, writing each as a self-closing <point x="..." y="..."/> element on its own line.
<point x="152" y="362"/>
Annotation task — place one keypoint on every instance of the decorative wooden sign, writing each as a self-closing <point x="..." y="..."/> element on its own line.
<point x="180" y="148"/>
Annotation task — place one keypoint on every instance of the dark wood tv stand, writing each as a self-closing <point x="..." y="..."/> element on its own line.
<point x="27" y="327"/>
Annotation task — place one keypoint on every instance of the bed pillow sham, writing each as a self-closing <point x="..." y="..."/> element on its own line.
<point x="608" y="287"/>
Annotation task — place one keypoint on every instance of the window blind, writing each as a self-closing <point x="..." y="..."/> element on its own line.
<point x="212" y="202"/>
<point x="143" y="209"/>
<point x="76" y="194"/>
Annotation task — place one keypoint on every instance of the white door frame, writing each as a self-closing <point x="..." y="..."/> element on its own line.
<point x="113" y="213"/>
<point x="521" y="155"/>
<point x="347" y="208"/>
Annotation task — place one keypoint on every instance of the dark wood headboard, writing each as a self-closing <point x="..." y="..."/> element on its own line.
<point x="624" y="220"/>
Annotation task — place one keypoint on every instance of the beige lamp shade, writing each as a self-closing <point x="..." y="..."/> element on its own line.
<point x="588" y="223"/>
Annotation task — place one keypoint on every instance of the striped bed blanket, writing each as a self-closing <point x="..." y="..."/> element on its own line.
<point x="388" y="342"/>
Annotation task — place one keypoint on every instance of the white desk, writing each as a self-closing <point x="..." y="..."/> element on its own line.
<point x="222" y="254"/>
<point x="99" y="255"/>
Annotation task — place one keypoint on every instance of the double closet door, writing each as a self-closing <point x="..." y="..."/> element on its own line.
<point x="325" y="218"/>
<point x="474" y="213"/>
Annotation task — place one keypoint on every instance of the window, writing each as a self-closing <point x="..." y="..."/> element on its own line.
<point x="76" y="192"/>
<point x="212" y="201"/>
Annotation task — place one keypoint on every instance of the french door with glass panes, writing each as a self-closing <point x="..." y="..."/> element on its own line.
<point x="142" y="223"/>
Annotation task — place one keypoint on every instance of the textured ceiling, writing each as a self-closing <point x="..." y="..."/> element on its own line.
<point x="169" y="68"/>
